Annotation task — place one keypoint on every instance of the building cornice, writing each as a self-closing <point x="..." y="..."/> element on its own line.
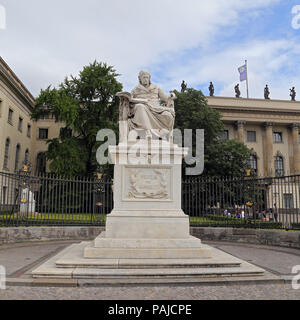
<point x="251" y="99"/>
<point x="254" y="105"/>
<point x="15" y="84"/>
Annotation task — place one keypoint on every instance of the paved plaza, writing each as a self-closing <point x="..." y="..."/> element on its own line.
<point x="19" y="259"/>
<point x="193" y="292"/>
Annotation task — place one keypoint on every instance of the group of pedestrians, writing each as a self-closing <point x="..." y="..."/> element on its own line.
<point x="264" y="215"/>
<point x="239" y="214"/>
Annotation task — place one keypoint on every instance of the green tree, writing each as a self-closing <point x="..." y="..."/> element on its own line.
<point x="222" y="157"/>
<point x="227" y="158"/>
<point x="193" y="112"/>
<point x="84" y="104"/>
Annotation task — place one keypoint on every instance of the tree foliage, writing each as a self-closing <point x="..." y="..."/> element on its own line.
<point x="84" y="104"/>
<point x="227" y="158"/>
<point x="222" y="157"/>
<point x="192" y="112"/>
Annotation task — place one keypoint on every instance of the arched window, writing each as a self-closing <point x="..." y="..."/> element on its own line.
<point x="253" y="163"/>
<point x="279" y="168"/>
<point x="41" y="163"/>
<point x="6" y="154"/>
<point x="26" y="156"/>
<point x="17" y="160"/>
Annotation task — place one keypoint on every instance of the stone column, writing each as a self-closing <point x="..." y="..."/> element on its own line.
<point x="268" y="144"/>
<point x="241" y="130"/>
<point x="296" y="148"/>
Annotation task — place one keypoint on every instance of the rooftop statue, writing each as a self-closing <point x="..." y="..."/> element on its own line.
<point x="293" y="94"/>
<point x="237" y="91"/>
<point x="211" y="89"/>
<point x="142" y="110"/>
<point x="267" y="92"/>
<point x="183" y="86"/>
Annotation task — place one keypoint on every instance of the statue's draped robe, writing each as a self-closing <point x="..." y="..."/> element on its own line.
<point x="151" y="115"/>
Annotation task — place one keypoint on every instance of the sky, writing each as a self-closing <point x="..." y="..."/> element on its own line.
<point x="193" y="40"/>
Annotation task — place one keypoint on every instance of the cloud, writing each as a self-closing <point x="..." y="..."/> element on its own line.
<point x="45" y="41"/>
<point x="270" y="62"/>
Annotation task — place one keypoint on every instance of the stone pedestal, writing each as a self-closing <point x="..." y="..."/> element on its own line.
<point x="147" y="221"/>
<point x="147" y="234"/>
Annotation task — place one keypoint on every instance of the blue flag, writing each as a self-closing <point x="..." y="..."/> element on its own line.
<point x="243" y="72"/>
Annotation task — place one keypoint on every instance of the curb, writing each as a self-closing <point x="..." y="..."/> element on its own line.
<point x="17" y="282"/>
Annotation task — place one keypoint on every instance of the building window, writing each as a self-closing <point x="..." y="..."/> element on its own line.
<point x="26" y="156"/>
<point x="251" y="136"/>
<point x="29" y="131"/>
<point x="4" y="193"/>
<point x="20" y="125"/>
<point x="43" y="134"/>
<point x="41" y="163"/>
<point x="277" y="137"/>
<point x="279" y="168"/>
<point x="225" y="135"/>
<point x="288" y="202"/>
<point x="10" y="116"/>
<point x="6" y="154"/>
<point x="65" y="133"/>
<point x="253" y="163"/>
<point x="17" y="157"/>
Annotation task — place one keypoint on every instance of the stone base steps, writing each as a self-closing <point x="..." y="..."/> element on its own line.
<point x="70" y="264"/>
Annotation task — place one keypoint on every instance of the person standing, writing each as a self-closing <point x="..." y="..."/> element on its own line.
<point x="275" y="212"/>
<point x="243" y="214"/>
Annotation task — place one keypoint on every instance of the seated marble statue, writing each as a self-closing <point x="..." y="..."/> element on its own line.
<point x="145" y="110"/>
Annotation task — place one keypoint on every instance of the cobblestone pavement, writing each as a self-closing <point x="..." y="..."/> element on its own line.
<point x="20" y="258"/>
<point x="235" y="292"/>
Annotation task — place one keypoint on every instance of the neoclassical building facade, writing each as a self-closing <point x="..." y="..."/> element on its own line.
<point x="20" y="137"/>
<point x="270" y="128"/>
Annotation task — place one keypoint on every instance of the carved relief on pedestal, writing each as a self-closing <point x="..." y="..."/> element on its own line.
<point x="142" y="183"/>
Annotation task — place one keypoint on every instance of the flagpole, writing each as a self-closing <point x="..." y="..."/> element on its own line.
<point x="247" y="79"/>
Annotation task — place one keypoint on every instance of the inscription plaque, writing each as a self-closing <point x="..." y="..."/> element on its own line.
<point x="147" y="183"/>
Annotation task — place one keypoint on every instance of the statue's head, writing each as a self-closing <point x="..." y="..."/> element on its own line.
<point x="145" y="78"/>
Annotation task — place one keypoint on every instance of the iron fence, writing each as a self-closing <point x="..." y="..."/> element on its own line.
<point x="49" y="200"/>
<point x="243" y="202"/>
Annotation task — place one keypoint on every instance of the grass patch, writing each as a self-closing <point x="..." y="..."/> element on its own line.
<point x="220" y="221"/>
<point x="295" y="225"/>
<point x="54" y="219"/>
